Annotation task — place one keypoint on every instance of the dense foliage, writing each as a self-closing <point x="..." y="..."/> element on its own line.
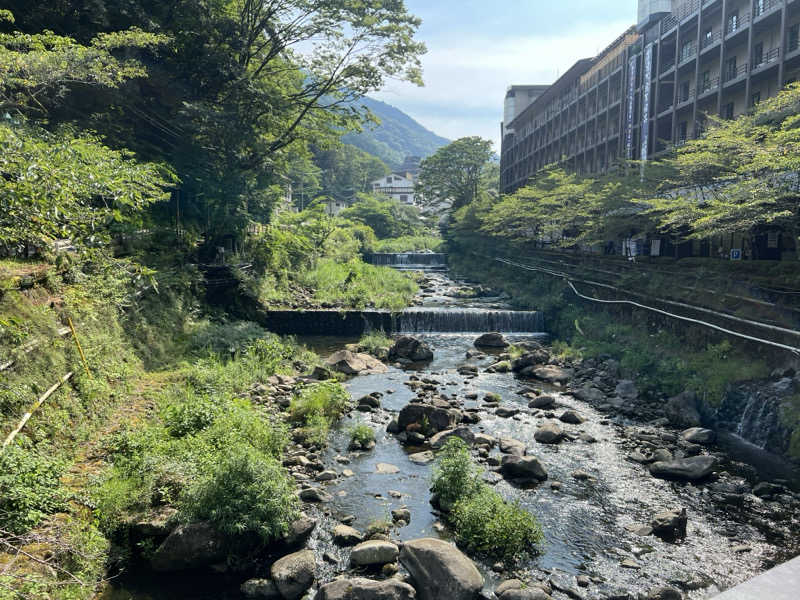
<point x="482" y="520"/>
<point x="454" y="173"/>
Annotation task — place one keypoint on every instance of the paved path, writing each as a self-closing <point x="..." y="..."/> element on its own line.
<point x="780" y="583"/>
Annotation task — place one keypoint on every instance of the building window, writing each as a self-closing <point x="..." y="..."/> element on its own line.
<point x="758" y="54"/>
<point x="733" y="21"/>
<point x="729" y="110"/>
<point x="756" y="98"/>
<point x="731" y="68"/>
<point x="684" y="92"/>
<point x="403" y="198"/>
<point x="794" y="37"/>
<point x="705" y="80"/>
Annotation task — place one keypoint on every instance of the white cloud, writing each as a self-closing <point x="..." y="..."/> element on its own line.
<point x="466" y="77"/>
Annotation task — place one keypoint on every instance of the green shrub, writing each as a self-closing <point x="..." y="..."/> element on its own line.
<point x="481" y="519"/>
<point x="486" y="523"/>
<point x="190" y="414"/>
<point x="244" y="492"/>
<point x="376" y="343"/>
<point x="455" y="476"/>
<point x="317" y="406"/>
<point x="410" y="243"/>
<point x="361" y="436"/>
<point x="30" y="488"/>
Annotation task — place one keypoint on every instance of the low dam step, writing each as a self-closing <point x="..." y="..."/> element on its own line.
<point x="423" y="261"/>
<point x="412" y="320"/>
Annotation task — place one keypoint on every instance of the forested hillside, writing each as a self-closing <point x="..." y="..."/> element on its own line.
<point x="395" y="137"/>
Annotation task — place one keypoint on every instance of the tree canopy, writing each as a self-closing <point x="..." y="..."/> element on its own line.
<point x="453" y="173"/>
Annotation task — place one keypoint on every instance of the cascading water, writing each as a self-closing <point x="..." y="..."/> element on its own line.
<point x="423" y="261"/>
<point x="464" y="320"/>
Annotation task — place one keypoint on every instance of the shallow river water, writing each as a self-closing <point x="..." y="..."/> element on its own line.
<point x="584" y="521"/>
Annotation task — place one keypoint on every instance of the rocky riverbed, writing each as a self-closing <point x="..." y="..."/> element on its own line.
<point x="636" y="500"/>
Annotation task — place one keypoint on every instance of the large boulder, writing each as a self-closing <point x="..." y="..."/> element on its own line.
<point x="548" y="373"/>
<point x="543" y="401"/>
<point x="491" y="340"/>
<point x="260" y="589"/>
<point x="440" y="570"/>
<point x="294" y="574"/>
<point x="190" y="546"/>
<point x="626" y="389"/>
<point x="374" y="552"/>
<point x="693" y="468"/>
<point x="438" y="440"/>
<point x="670" y="524"/>
<point x="683" y="410"/>
<point x="344" y="535"/>
<point x="437" y="417"/>
<point x="527" y="468"/>
<point x="366" y="589"/>
<point x="549" y="433"/>
<point x="351" y="363"/>
<point x="698" y="435"/>
<point x="410" y="348"/>
<point x="539" y="356"/>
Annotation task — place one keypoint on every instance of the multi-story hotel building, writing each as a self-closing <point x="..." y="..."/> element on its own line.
<point x="656" y="85"/>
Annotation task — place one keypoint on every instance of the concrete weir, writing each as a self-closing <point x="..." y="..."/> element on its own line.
<point x="780" y="583"/>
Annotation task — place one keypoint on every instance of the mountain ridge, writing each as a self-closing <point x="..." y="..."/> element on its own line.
<point x="397" y="136"/>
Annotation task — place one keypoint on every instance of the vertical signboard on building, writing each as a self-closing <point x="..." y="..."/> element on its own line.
<point x="631" y="105"/>
<point x="646" y="77"/>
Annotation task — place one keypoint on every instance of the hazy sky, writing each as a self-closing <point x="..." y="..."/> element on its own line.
<point x="477" y="48"/>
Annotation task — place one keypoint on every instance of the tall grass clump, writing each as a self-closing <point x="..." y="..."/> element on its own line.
<point x="376" y="343"/>
<point x="410" y="243"/>
<point x="316" y="407"/>
<point x="483" y="521"/>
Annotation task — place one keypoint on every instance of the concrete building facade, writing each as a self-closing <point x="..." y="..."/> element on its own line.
<point x="397" y="186"/>
<point x="656" y="85"/>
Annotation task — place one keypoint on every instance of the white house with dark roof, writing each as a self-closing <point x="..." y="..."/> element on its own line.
<point x="398" y="186"/>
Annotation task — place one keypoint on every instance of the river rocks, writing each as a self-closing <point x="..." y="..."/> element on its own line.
<point x="506" y="412"/>
<point x="549" y="433"/>
<point x="768" y="490"/>
<point x="438" y="440"/>
<point x="386" y="469"/>
<point x="294" y="574"/>
<point x="401" y="514"/>
<point x="524" y="468"/>
<point x="484" y="439"/>
<point x="626" y="389"/>
<point x="351" y="363"/>
<point x="510" y="446"/>
<point x="514" y="589"/>
<point x="299" y="532"/>
<point x="503" y="366"/>
<point x="374" y="552"/>
<point x="543" y="401"/>
<point x="664" y="593"/>
<point x="260" y="589"/>
<point x="366" y="589"/>
<point x="327" y="475"/>
<point x="548" y="373"/>
<point x="344" y="535"/>
<point x="571" y="417"/>
<point x="372" y="401"/>
<point x="698" y="435"/>
<point x="670" y="524"/>
<point x="315" y="495"/>
<point x="693" y="468"/>
<point x="440" y="570"/>
<point x="190" y="546"/>
<point x="530" y="359"/>
<point x="682" y="410"/>
<point x="410" y="348"/>
<point x="422" y="458"/>
<point x="438" y="418"/>
<point x="491" y="340"/>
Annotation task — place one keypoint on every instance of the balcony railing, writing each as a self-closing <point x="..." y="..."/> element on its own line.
<point x="686" y="97"/>
<point x="762" y="7"/>
<point x="707" y="86"/>
<point x="793" y="45"/>
<point x="669" y="23"/>
<point x="668" y="64"/>
<point x="766" y="58"/>
<point x="710" y="40"/>
<point x="737" y="24"/>
<point x="688" y="52"/>
<point x="731" y="74"/>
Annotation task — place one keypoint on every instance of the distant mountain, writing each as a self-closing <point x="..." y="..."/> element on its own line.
<point x="397" y="137"/>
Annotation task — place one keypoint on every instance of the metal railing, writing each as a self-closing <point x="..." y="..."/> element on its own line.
<point x="731" y="74"/>
<point x="687" y="52"/>
<point x="686" y="97"/>
<point x="668" y="64"/>
<point x="740" y="22"/>
<point x="766" y="58"/>
<point x="761" y="7"/>
<point x="707" y="86"/>
<point x="711" y="39"/>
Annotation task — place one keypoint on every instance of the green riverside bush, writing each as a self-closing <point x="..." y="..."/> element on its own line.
<point x="362" y="435"/>
<point x="481" y="519"/>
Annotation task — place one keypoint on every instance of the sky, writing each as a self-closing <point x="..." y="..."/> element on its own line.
<point x="477" y="48"/>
